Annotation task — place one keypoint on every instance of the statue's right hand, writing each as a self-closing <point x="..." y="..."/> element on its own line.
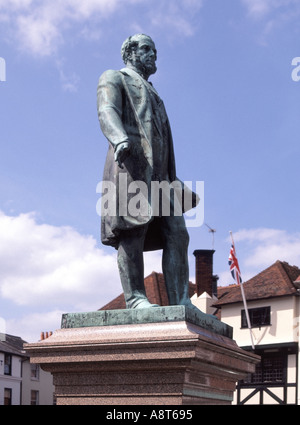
<point x="121" y="153"/>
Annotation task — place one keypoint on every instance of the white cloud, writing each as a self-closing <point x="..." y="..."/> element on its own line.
<point x="272" y="14"/>
<point x="257" y="8"/>
<point x="54" y="270"/>
<point x="50" y="270"/>
<point x="42" y="28"/>
<point x="30" y="327"/>
<point x="269" y="245"/>
<point x="176" y="15"/>
<point x="260" y="8"/>
<point x="69" y="82"/>
<point x="47" y="265"/>
<point x="2" y="326"/>
<point x="38" y="26"/>
<point x="38" y="35"/>
<point x="15" y="4"/>
<point x="259" y="248"/>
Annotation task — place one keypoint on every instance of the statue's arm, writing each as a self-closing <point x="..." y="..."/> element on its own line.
<point x="110" y="105"/>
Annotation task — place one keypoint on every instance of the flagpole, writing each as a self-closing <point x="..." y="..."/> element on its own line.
<point x="244" y="301"/>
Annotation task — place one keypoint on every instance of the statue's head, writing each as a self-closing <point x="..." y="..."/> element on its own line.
<point x="139" y="51"/>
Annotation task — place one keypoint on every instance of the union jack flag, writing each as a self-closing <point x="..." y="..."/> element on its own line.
<point x="234" y="266"/>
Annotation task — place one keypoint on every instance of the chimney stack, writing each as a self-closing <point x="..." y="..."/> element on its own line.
<point x="205" y="280"/>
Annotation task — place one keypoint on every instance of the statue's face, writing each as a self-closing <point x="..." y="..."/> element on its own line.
<point x="144" y="56"/>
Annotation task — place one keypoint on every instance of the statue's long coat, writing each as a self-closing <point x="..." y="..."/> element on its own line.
<point x="125" y="114"/>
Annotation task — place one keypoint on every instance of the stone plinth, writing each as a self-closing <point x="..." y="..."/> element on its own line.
<point x="170" y="314"/>
<point x="168" y="362"/>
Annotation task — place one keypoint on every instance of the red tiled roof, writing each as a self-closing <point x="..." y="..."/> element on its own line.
<point x="277" y="280"/>
<point x="155" y="290"/>
<point x="117" y="303"/>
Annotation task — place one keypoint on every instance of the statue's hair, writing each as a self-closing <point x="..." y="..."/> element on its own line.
<point x="130" y="44"/>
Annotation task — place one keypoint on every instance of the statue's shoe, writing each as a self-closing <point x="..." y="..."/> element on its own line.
<point x="144" y="303"/>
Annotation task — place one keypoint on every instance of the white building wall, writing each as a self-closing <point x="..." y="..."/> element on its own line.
<point x="12" y="381"/>
<point x="282" y="322"/>
<point x="1" y="364"/>
<point x="296" y="329"/>
<point x="284" y="328"/>
<point x="44" y="386"/>
<point x="204" y="302"/>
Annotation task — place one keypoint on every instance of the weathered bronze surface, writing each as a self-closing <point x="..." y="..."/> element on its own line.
<point x="166" y="314"/>
<point x="134" y="120"/>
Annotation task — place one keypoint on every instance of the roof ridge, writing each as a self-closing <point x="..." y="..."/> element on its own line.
<point x="283" y="272"/>
<point x="276" y="280"/>
<point x="151" y="274"/>
<point x="284" y="266"/>
<point x="277" y="263"/>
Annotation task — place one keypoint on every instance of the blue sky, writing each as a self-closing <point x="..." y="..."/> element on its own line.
<point x="225" y="75"/>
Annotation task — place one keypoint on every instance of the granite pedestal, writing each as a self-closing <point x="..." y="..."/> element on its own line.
<point x="158" y="356"/>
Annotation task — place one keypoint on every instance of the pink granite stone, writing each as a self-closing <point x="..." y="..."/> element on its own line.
<point x="145" y="364"/>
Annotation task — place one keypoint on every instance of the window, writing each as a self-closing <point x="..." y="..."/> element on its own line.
<point x="35" y="372"/>
<point x="271" y="369"/>
<point x="34" y="398"/>
<point x="271" y="376"/>
<point x="258" y="317"/>
<point x="7" y="396"/>
<point x="7" y="364"/>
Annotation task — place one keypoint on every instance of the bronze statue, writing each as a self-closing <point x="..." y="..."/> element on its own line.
<point x="134" y="120"/>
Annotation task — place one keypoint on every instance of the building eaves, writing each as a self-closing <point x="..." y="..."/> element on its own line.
<point x="11" y="344"/>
